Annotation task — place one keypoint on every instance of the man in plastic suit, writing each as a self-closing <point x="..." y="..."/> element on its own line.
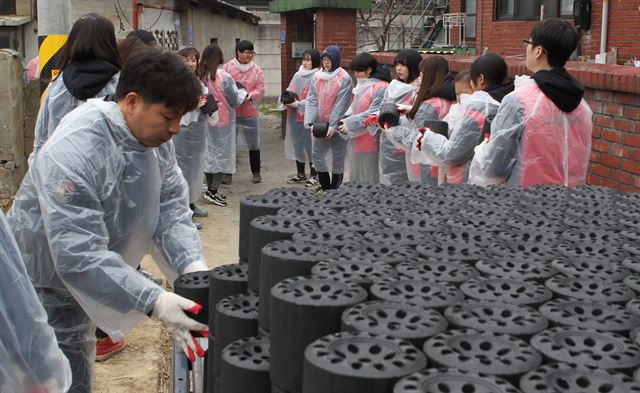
<point x="30" y="360"/>
<point x="103" y="190"/>
<point x="542" y="132"/>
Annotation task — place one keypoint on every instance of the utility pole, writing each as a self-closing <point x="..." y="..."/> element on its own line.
<point x="54" y="24"/>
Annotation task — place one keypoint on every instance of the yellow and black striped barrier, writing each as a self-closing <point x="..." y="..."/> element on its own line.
<point x="50" y="52"/>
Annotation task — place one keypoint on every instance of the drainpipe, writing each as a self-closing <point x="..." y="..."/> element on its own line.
<point x="605" y="25"/>
<point x="134" y="7"/>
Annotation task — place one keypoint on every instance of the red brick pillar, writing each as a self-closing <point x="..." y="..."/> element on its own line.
<point x="297" y="26"/>
<point x="337" y="26"/>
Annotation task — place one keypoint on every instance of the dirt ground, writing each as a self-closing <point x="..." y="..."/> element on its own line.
<point x="143" y="367"/>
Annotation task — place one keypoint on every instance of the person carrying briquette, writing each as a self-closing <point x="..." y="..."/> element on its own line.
<point x="368" y="94"/>
<point x="433" y="101"/>
<point x="392" y="162"/>
<point x="242" y="69"/>
<point x="297" y="141"/>
<point x="542" y="131"/>
<point x="90" y="67"/>
<point x="328" y="100"/>
<point x="453" y="154"/>
<point x="101" y="192"/>
<point x="220" y="157"/>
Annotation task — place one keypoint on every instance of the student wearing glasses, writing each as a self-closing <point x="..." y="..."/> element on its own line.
<point x="542" y="131"/>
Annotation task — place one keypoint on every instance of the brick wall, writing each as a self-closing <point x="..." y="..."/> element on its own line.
<point x="505" y="37"/>
<point x="293" y="23"/>
<point x="612" y="92"/>
<point x="336" y="26"/>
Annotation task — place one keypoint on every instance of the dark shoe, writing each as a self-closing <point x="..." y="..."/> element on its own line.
<point x="312" y="182"/>
<point x="200" y="212"/>
<point x="257" y="178"/>
<point x="105" y="348"/>
<point x="214" y="198"/>
<point x="297" y="179"/>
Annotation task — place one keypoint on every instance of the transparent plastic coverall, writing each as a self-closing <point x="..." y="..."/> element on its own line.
<point x="30" y="360"/>
<point x="91" y="205"/>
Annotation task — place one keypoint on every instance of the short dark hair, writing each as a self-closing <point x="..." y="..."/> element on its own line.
<point x="410" y="58"/>
<point x="314" y="55"/>
<point x="363" y="61"/>
<point x="558" y="38"/>
<point x="492" y="66"/>
<point x="144" y="36"/>
<point x="244" y="45"/>
<point x="160" y="77"/>
<point x="211" y="59"/>
<point x="131" y="46"/>
<point x="92" y="37"/>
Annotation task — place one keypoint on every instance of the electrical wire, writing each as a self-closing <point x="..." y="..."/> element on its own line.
<point x="159" y="15"/>
<point x="124" y="14"/>
<point x="121" y="26"/>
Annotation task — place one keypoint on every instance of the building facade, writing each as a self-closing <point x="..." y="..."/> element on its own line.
<point x="500" y="25"/>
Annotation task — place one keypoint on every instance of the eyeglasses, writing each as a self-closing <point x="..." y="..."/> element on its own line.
<point x="527" y="42"/>
<point x="249" y="52"/>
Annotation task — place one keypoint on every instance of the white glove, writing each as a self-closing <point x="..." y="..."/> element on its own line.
<point x="330" y="132"/>
<point x="197" y="266"/>
<point x="404" y="107"/>
<point x="294" y="104"/>
<point x="213" y="119"/>
<point x="170" y="310"/>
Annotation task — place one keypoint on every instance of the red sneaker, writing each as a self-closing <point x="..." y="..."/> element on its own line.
<point x="105" y="348"/>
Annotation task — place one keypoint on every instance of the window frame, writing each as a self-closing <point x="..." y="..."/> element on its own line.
<point x="475" y="15"/>
<point x="516" y="3"/>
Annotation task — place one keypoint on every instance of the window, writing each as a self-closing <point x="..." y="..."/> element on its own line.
<point x="470" y="8"/>
<point x="530" y="9"/>
<point x="518" y="9"/>
<point x="7" y="7"/>
<point x="8" y="39"/>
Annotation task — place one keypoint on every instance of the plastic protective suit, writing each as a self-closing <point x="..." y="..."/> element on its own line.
<point x="58" y="101"/>
<point x="328" y="100"/>
<point x="247" y="127"/>
<point x="453" y="156"/>
<point x="535" y="142"/>
<point x="297" y="141"/>
<point x="30" y="359"/>
<point x="91" y="205"/>
<point x="190" y="145"/>
<point x="403" y="136"/>
<point x="221" y="138"/>
<point x="393" y="165"/>
<point x="362" y="153"/>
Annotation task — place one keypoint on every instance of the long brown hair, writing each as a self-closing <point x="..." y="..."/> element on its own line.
<point x="211" y="59"/>
<point x="434" y="70"/>
<point x="92" y="37"/>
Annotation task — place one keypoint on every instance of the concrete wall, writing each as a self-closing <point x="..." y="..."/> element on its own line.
<point x="12" y="114"/>
<point x="267" y="44"/>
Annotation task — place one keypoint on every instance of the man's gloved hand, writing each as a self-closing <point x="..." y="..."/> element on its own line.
<point x="197" y="266"/>
<point x="170" y="310"/>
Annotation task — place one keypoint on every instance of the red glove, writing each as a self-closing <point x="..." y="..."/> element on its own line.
<point x="420" y="137"/>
